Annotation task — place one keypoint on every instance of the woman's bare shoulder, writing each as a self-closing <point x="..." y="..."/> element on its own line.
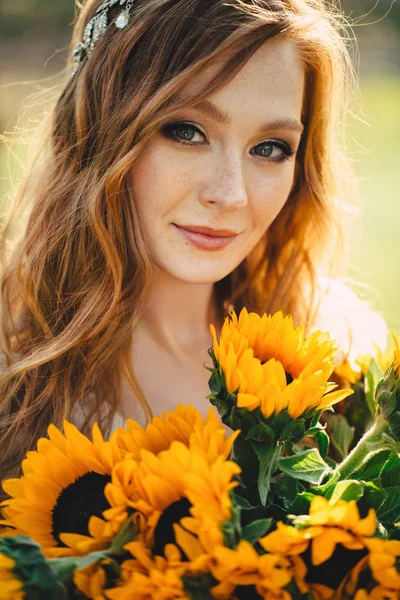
<point x="348" y="319"/>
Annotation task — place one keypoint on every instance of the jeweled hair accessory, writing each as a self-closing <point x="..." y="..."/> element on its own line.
<point x="97" y="26"/>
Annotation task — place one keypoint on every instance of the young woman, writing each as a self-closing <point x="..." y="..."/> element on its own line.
<point x="192" y="164"/>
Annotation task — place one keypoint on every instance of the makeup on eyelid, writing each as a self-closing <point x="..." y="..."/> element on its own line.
<point x="167" y="129"/>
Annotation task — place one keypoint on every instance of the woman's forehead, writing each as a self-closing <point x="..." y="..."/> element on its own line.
<point x="271" y="80"/>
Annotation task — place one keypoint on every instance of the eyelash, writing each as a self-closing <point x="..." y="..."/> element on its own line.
<point x="288" y="152"/>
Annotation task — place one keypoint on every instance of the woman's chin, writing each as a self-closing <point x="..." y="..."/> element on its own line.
<point x="193" y="272"/>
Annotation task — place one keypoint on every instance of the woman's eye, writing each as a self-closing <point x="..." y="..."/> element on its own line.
<point x="277" y="151"/>
<point x="184" y="133"/>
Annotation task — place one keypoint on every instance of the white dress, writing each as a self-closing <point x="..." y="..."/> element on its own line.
<point x="78" y="418"/>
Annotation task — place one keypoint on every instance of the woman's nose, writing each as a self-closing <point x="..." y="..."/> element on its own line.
<point x="224" y="185"/>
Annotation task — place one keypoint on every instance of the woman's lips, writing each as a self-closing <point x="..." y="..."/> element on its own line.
<point x="206" y="242"/>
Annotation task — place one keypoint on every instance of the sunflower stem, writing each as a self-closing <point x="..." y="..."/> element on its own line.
<point x="373" y="441"/>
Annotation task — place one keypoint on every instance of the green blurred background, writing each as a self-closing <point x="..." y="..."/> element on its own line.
<point x="34" y="35"/>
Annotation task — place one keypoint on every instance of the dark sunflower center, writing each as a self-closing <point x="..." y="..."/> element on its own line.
<point x="289" y="378"/>
<point x="164" y="532"/>
<point x="77" y="503"/>
<point x="246" y="592"/>
<point x="334" y="570"/>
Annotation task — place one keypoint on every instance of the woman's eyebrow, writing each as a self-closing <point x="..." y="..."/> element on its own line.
<point x="221" y="117"/>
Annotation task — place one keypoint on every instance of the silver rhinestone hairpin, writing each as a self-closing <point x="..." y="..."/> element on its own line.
<point x="97" y="26"/>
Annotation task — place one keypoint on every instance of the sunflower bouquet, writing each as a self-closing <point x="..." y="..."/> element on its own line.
<point x="295" y="495"/>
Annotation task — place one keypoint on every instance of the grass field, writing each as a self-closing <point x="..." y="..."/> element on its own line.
<point x="375" y="254"/>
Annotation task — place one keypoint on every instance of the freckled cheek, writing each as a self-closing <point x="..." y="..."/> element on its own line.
<point x="269" y="200"/>
<point x="158" y="184"/>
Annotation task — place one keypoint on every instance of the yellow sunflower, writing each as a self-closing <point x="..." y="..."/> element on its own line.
<point x="158" y="435"/>
<point x="396" y="345"/>
<point x="386" y="358"/>
<point x="243" y="566"/>
<point x="179" y="485"/>
<point x="11" y="588"/>
<point x="383" y="561"/>
<point x="146" y="577"/>
<point x="377" y="593"/>
<point x="352" y="372"/>
<point x="321" y="592"/>
<point x="91" y="581"/>
<point x="62" y="486"/>
<point x="286" y="540"/>
<point x="103" y="529"/>
<point x="326" y="526"/>
<point x="207" y="440"/>
<point x="274" y="571"/>
<point x="381" y="564"/>
<point x="270" y="364"/>
<point x="350" y="583"/>
<point x="185" y="424"/>
<point x="184" y="482"/>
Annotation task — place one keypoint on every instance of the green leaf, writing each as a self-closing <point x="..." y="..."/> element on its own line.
<point x="315" y="416"/>
<point x="326" y="490"/>
<point x="279" y="422"/>
<point x="394" y="424"/>
<point x="254" y="531"/>
<point x="307" y="466"/>
<point x="267" y="458"/>
<point x="387" y="403"/>
<point x="323" y="442"/>
<point x="390" y="443"/>
<point x="371" y="379"/>
<point x="294" y="432"/>
<point x="231" y="530"/>
<point x="245" y="419"/>
<point x="220" y="405"/>
<point x="197" y="588"/>
<point x="246" y="458"/>
<point x="39" y="578"/>
<point x="211" y="354"/>
<point x="261" y="433"/>
<point x="284" y="490"/>
<point x="214" y="382"/>
<point x="340" y="433"/>
<point x="124" y="536"/>
<point x="372" y="467"/>
<point x="241" y="418"/>
<point x="241" y="502"/>
<point x="374" y="495"/>
<point x="330" y="462"/>
<point x="391" y="479"/>
<point x="375" y="372"/>
<point x="302" y="503"/>
<point x="392" y="462"/>
<point x="389" y="511"/>
<point x="311" y="431"/>
<point x="347" y="490"/>
<point x="66" y="566"/>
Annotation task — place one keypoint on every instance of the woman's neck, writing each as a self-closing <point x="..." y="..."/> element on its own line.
<point x="179" y="314"/>
<point x="168" y="350"/>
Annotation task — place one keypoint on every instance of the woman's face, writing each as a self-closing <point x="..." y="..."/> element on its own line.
<point x="233" y="176"/>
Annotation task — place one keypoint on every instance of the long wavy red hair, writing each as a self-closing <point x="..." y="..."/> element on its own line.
<point x="77" y="280"/>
